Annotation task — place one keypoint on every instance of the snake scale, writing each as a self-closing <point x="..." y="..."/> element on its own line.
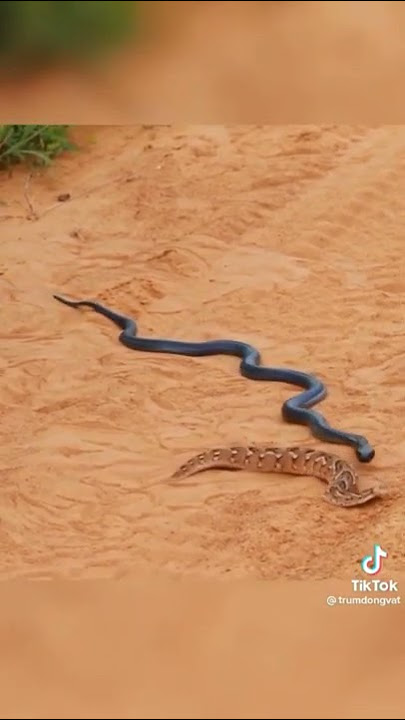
<point x="340" y="476"/>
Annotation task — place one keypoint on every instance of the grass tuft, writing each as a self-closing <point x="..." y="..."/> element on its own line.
<point x="35" y="144"/>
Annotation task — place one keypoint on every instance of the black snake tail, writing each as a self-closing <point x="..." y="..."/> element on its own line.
<point x="294" y="410"/>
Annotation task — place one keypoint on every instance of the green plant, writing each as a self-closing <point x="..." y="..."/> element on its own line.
<point x="37" y="144"/>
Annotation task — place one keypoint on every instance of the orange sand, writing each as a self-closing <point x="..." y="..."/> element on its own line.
<point x="290" y="238"/>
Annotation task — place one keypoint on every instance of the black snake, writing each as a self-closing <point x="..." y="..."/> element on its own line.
<point x="294" y="410"/>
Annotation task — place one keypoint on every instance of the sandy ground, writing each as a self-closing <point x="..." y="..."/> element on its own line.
<point x="290" y="238"/>
<point x="287" y="238"/>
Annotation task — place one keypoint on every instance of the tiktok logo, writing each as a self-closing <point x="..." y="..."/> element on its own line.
<point x="372" y="564"/>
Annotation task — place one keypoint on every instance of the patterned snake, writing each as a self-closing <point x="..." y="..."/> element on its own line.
<point x="341" y="478"/>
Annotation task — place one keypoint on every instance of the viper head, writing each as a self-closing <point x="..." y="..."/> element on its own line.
<point x="345" y="491"/>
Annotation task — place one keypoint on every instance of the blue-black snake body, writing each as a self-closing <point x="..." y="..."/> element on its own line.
<point x="295" y="410"/>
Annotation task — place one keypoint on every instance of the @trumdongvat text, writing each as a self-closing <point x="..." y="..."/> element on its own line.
<point x="333" y="600"/>
<point x="371" y="565"/>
